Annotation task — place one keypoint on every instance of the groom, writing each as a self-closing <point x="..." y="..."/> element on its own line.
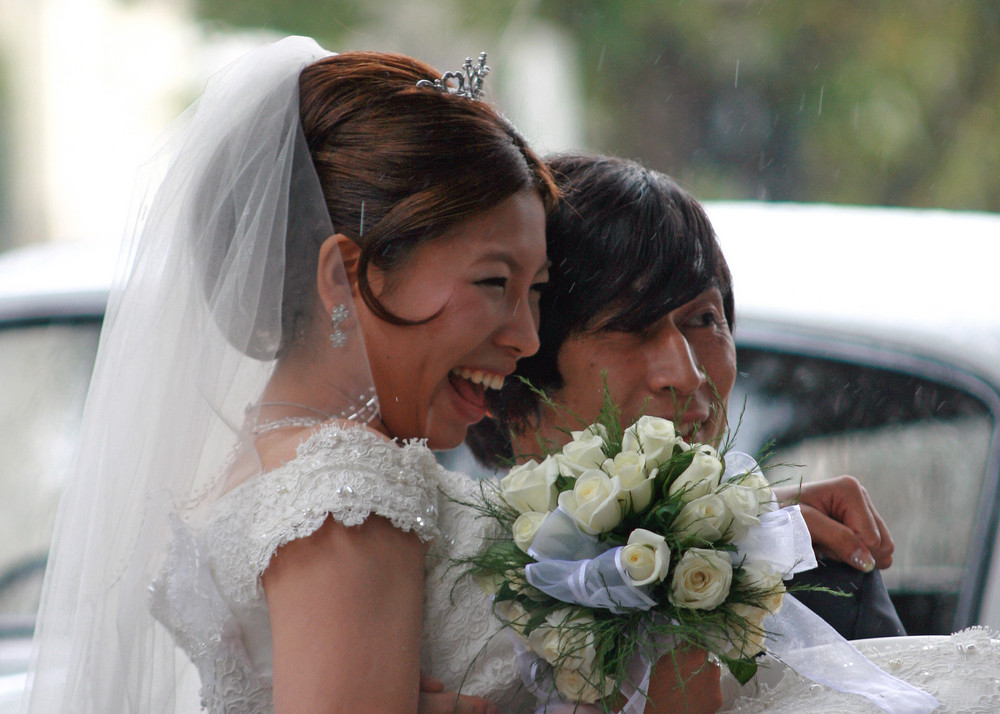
<point x="640" y="296"/>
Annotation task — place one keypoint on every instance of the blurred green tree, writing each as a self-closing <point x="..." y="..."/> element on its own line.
<point x="845" y="101"/>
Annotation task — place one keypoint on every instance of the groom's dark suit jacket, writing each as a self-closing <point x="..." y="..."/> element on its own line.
<point x="865" y="612"/>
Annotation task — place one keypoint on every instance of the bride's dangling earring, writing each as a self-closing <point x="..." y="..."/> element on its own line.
<point x="337" y="316"/>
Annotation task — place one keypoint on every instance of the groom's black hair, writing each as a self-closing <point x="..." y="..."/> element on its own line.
<point x="627" y="245"/>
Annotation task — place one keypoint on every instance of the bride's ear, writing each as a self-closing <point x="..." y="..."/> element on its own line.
<point x="335" y="251"/>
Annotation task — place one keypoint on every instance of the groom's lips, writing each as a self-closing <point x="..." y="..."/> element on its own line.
<point x="689" y="431"/>
<point x="689" y="427"/>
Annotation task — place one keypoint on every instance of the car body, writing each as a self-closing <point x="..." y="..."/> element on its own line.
<point x="868" y="343"/>
<point x="52" y="301"/>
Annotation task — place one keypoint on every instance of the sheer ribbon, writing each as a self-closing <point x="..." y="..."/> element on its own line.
<point x="802" y="640"/>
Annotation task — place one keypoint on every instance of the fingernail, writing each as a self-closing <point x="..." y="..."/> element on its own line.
<point x="863" y="560"/>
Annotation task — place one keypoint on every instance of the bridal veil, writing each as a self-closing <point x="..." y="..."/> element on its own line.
<point x="193" y="326"/>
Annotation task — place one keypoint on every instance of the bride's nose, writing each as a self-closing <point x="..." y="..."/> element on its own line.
<point x="519" y="330"/>
<point x="672" y="364"/>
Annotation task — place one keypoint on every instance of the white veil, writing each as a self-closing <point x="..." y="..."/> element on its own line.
<point x="192" y="329"/>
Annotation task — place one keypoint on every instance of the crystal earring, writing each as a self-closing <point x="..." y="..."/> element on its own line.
<point x="337" y="316"/>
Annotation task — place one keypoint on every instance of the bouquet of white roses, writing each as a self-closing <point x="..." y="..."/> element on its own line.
<point x="628" y="542"/>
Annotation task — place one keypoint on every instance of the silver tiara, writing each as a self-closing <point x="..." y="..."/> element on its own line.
<point x="469" y="79"/>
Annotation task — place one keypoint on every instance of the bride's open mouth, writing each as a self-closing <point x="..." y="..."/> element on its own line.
<point x="471" y="385"/>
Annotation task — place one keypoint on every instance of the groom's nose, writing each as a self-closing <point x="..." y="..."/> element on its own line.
<point x="671" y="363"/>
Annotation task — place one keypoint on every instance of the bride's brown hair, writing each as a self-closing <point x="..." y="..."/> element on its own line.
<point x="400" y="165"/>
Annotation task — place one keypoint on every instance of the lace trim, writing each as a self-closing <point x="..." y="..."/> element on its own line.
<point x="347" y="473"/>
<point x="962" y="671"/>
<point x="185" y="599"/>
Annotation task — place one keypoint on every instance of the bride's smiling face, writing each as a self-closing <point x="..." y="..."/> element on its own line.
<point x="480" y="281"/>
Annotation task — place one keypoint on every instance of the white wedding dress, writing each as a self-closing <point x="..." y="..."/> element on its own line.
<point x="210" y="596"/>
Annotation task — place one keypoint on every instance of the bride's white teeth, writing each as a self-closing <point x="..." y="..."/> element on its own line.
<point x="478" y="376"/>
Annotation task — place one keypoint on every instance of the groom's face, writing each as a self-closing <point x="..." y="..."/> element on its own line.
<point x="681" y="367"/>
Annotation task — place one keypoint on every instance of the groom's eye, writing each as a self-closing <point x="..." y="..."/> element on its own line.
<point x="705" y="318"/>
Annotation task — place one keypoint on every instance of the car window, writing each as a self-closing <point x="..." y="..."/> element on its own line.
<point x="44" y="377"/>
<point x="920" y="447"/>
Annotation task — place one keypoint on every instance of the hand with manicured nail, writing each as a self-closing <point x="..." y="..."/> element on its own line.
<point x="842" y="521"/>
<point x="435" y="700"/>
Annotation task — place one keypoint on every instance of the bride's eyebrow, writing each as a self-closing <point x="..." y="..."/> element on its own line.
<point x="509" y="260"/>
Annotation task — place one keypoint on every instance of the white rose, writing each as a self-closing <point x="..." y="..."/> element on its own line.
<point x="565" y="639"/>
<point x="743" y="507"/>
<point x="584" y="452"/>
<point x="598" y="429"/>
<point x="630" y="467"/>
<point x="531" y="486"/>
<point x="526" y="527"/>
<point x="577" y="686"/>
<point x="489" y="583"/>
<point x="767" y="583"/>
<point x="765" y="496"/>
<point x="701" y="579"/>
<point x="701" y="477"/>
<point x="748" y="638"/>
<point x="705" y="518"/>
<point x="759" y="575"/>
<point x="595" y="502"/>
<point x="654" y="436"/>
<point x="773" y="602"/>
<point x="646" y="557"/>
<point x="517" y="583"/>
<point x="514" y="615"/>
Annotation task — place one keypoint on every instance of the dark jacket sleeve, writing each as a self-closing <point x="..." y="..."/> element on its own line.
<point x="866" y="610"/>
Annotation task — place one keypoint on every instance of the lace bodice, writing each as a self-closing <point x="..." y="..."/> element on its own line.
<point x="962" y="671"/>
<point x="210" y="596"/>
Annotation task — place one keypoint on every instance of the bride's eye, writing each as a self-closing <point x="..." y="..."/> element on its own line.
<point x="497" y="282"/>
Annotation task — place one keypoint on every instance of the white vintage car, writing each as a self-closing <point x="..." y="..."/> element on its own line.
<point x="869" y="343"/>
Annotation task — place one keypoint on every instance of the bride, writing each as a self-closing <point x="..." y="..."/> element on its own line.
<point x="333" y="259"/>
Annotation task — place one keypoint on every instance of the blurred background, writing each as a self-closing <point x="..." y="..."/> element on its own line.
<point x="842" y="101"/>
<point x="868" y="338"/>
